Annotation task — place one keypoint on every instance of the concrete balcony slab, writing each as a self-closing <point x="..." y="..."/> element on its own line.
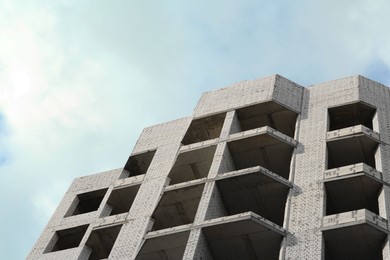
<point x="263" y="146"/>
<point x="165" y="247"/>
<point x="259" y="191"/>
<point x="246" y="237"/>
<point x="352" y="187"/>
<point x="349" y="147"/>
<point x="350" y="131"/>
<point x="354" y="235"/>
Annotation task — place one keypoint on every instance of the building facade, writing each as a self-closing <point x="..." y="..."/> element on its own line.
<point x="263" y="169"/>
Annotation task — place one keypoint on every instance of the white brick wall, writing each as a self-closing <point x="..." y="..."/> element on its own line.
<point x="306" y="201"/>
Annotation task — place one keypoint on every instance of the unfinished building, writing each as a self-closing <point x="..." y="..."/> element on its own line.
<point x="263" y="169"/>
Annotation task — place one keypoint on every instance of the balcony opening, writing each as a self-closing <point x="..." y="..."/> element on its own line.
<point x="254" y="192"/>
<point x="354" y="242"/>
<point x="177" y="207"/>
<point x="351" y="115"/>
<point x="101" y="241"/>
<point x="192" y="165"/>
<point x="86" y="202"/>
<point x="353" y="193"/>
<point x="244" y="240"/>
<point x="270" y="114"/>
<point x="66" y="239"/>
<point x="352" y="150"/>
<point x="203" y="129"/>
<point x="121" y="199"/>
<point x="262" y="150"/>
<point x="166" y="247"/>
<point x="138" y="164"/>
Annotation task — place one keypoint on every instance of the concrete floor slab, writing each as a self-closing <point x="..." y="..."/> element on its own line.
<point x="355" y="242"/>
<point x="264" y="150"/>
<point x="192" y="165"/>
<point x="357" y="191"/>
<point x="202" y="129"/>
<point x="121" y="199"/>
<point x="358" y="113"/>
<point x="138" y="164"/>
<point x="267" y="114"/>
<point x="102" y="240"/>
<point x="254" y="192"/>
<point x="177" y="207"/>
<point x="354" y="149"/>
<point x="244" y="239"/>
<point x="168" y="247"/>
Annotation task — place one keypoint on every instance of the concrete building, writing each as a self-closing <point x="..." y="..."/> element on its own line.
<point x="263" y="169"/>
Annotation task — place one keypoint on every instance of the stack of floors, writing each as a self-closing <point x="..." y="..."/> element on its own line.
<point x="263" y="169"/>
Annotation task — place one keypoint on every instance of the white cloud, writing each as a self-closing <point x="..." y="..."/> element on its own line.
<point x="79" y="80"/>
<point x="51" y="107"/>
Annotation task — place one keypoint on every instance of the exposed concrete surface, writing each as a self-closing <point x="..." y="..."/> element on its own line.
<point x="263" y="169"/>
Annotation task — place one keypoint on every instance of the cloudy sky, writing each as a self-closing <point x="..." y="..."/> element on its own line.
<point x="79" y="80"/>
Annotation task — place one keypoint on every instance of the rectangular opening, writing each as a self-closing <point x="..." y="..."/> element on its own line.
<point x="168" y="247"/>
<point x="138" y="164"/>
<point x="203" y="129"/>
<point x="66" y="239"/>
<point x="261" y="150"/>
<point x="244" y="240"/>
<point x="353" y="193"/>
<point x="86" y="202"/>
<point x="177" y="207"/>
<point x="254" y="192"/>
<point x="351" y="150"/>
<point x="121" y="199"/>
<point x="192" y="165"/>
<point x="101" y="241"/>
<point x="351" y="115"/>
<point x="354" y="242"/>
<point x="270" y="114"/>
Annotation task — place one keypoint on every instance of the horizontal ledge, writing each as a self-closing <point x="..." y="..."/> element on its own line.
<point x="355" y="217"/>
<point x="255" y="169"/>
<point x="352" y="131"/>
<point x="219" y="221"/>
<point x="111" y="221"/>
<point x="265" y="130"/>
<point x="199" y="145"/>
<point x="186" y="184"/>
<point x="129" y="181"/>
<point x="351" y="171"/>
<point x="232" y="174"/>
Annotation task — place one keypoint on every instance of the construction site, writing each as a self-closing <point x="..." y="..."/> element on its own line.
<point x="263" y="169"/>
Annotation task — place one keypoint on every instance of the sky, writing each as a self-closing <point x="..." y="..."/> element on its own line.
<point x="79" y="80"/>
